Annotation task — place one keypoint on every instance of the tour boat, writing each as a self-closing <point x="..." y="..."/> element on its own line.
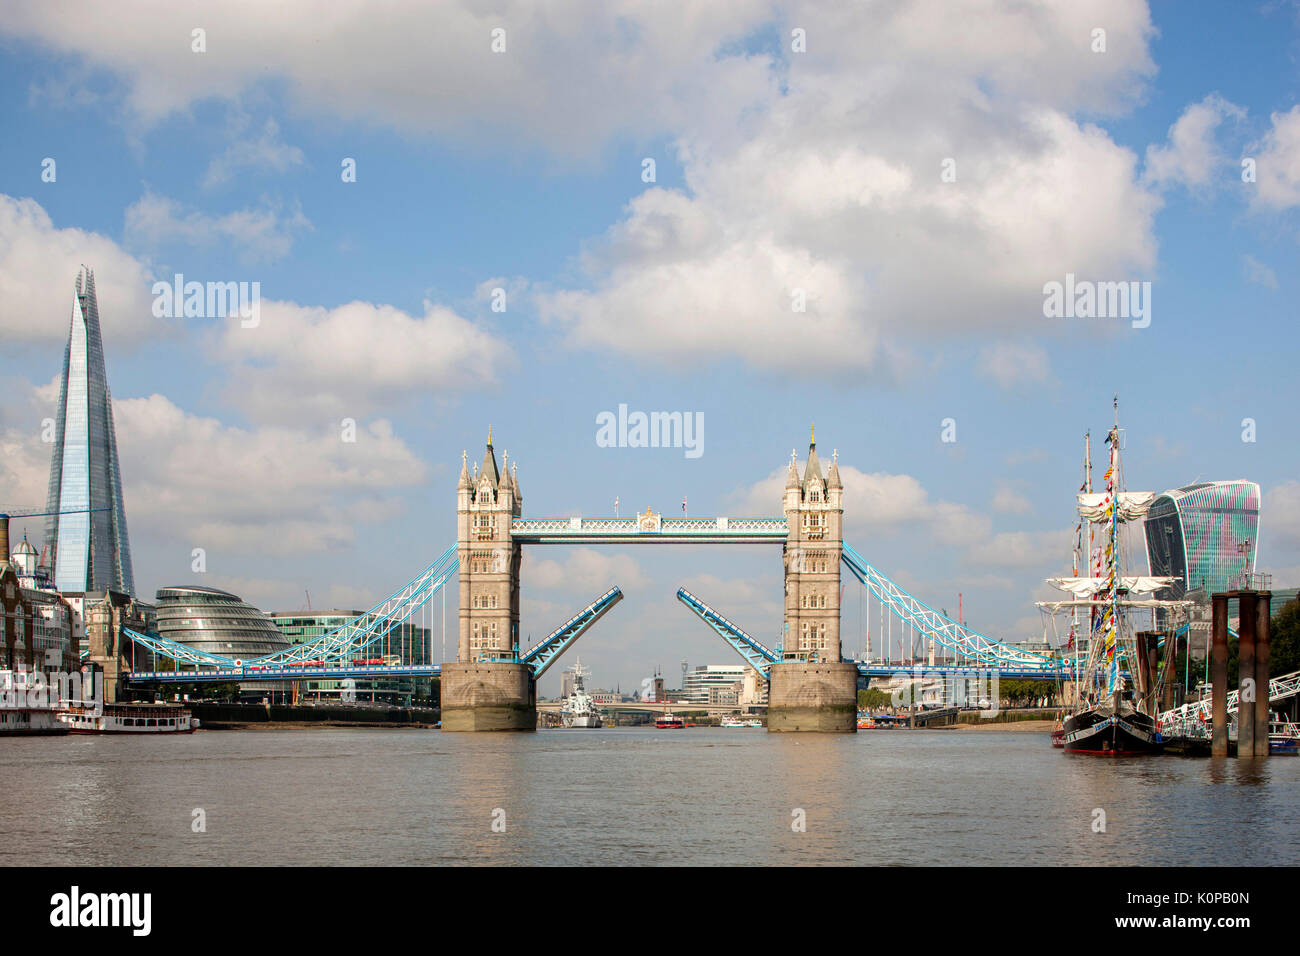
<point x="31" y="722"/>
<point x="866" y="722"/>
<point x="731" y="722"/>
<point x="128" y="719"/>
<point x="670" y="721"/>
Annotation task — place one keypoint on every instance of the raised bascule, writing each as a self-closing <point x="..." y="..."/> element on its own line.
<point x="489" y="688"/>
<point x="492" y="684"/>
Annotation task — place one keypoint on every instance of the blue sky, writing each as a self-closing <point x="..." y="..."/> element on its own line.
<point x="774" y="170"/>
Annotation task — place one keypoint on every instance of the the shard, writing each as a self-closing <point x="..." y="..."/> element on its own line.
<point x="87" y="524"/>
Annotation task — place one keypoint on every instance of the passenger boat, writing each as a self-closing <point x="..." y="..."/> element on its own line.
<point x="31" y="722"/>
<point x="866" y="722"/>
<point x="1110" y="717"/>
<point x="136" y="718"/>
<point x="670" y="721"/>
<point x="731" y="722"/>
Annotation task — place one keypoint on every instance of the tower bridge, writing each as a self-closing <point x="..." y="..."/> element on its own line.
<point x="492" y="684"/>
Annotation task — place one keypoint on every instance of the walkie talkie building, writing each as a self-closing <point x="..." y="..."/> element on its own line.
<point x="1205" y="533"/>
<point x="87" y="525"/>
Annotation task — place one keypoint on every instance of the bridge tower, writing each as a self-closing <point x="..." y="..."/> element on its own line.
<point x="811" y="688"/>
<point x="487" y="688"/>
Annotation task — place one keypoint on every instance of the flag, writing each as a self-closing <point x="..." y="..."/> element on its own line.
<point x="683" y="504"/>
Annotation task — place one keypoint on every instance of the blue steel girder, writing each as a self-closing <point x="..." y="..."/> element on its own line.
<point x="651" y="529"/>
<point x="755" y="654"/>
<point x="943" y="629"/>
<point x="546" y="651"/>
<point x="283" y="672"/>
<point x="334" y="647"/>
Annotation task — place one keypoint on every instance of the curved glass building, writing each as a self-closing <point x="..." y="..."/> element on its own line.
<point x="216" y="621"/>
<point x="1205" y="533"/>
<point x="219" y="622"/>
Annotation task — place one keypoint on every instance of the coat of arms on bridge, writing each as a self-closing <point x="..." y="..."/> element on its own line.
<point x="648" y="521"/>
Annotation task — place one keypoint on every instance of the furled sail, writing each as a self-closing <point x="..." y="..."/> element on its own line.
<point x="1095" y="506"/>
<point x="1087" y="587"/>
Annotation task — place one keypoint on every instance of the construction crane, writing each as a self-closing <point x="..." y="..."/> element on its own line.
<point x="6" y="513"/>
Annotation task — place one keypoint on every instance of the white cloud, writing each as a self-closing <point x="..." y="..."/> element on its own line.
<point x="1009" y="501"/>
<point x="879" y="503"/>
<point x="584" y="573"/>
<point x="257" y="235"/>
<point x="302" y="361"/>
<point x="264" y="153"/>
<point x="236" y="491"/>
<point x="1277" y="158"/>
<point x="571" y="76"/>
<point x="835" y="189"/>
<point x="1193" y="157"/>
<point x="38" y="266"/>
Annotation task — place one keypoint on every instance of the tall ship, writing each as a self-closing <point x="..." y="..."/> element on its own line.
<point x="1114" y="711"/>
<point x="578" y="709"/>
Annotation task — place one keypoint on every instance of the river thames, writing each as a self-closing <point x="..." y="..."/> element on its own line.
<point x="632" y="796"/>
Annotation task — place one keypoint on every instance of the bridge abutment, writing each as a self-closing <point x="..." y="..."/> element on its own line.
<point x="816" y="697"/>
<point x="488" y="695"/>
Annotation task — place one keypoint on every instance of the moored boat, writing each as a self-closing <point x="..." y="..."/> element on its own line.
<point x="138" y="718"/>
<point x="1110" y="717"/>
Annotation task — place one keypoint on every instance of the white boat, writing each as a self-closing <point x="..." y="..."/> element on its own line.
<point x="128" y="719"/>
<point x="31" y="722"/>
<point x="579" y="710"/>
<point x="732" y="722"/>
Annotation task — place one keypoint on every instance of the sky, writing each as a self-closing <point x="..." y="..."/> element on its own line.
<point x="770" y="215"/>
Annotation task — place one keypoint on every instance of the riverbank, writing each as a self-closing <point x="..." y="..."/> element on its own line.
<point x="231" y="716"/>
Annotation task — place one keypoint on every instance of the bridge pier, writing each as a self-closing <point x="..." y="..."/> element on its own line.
<point x="488" y="695"/>
<point x="806" y="696"/>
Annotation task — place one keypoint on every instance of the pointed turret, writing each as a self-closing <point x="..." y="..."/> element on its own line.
<point x="463" y="484"/>
<point x="514" y="480"/>
<point x="814" y="467"/>
<point x="489" y="469"/>
<point x="792" y="474"/>
<point x="833" y="477"/>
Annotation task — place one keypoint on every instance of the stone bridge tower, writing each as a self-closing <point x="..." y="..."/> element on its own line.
<point x="489" y="559"/>
<point x="487" y="688"/>
<point x="811" y="687"/>
<point x="814" y="514"/>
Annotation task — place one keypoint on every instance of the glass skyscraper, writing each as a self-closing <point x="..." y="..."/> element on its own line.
<point x="1205" y="533"/>
<point x="87" y="529"/>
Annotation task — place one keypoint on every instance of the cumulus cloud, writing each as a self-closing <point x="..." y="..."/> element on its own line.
<point x="267" y="490"/>
<point x="1277" y="158"/>
<point x="571" y="75"/>
<point x="882" y="504"/>
<point x="38" y="266"/>
<point x="821" y="234"/>
<point x="303" y="362"/>
<point x="257" y="235"/>
<point x="584" y="573"/>
<point x="1193" y="157"/>
<point x="264" y="152"/>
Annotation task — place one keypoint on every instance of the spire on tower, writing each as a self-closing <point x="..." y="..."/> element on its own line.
<point x="833" y="476"/>
<point x="792" y="475"/>
<point x="463" y="483"/>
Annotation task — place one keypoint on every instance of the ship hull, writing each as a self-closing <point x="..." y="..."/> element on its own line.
<point x="1107" y="734"/>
